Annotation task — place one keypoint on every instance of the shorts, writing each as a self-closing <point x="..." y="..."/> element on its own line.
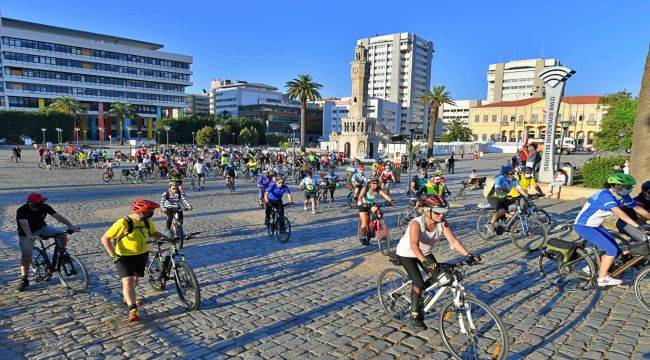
<point x="599" y="237"/>
<point x="230" y="174"/>
<point x="499" y="203"/>
<point x="310" y="195"/>
<point x="365" y="208"/>
<point x="201" y="175"/>
<point x="132" y="265"/>
<point x="27" y="244"/>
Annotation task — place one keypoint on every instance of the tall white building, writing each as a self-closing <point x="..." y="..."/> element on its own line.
<point x="517" y="79"/>
<point x="41" y="62"/>
<point x="197" y="104"/>
<point x="386" y="113"/>
<point x="229" y="95"/>
<point x="400" y="72"/>
<point x="459" y="111"/>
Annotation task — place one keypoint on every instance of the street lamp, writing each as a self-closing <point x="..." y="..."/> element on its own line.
<point x="219" y="127"/>
<point x="158" y="137"/>
<point x="85" y="136"/>
<point x="101" y="137"/>
<point x="412" y="128"/>
<point x="565" y="126"/>
<point x="167" y="128"/>
<point x="110" y="141"/>
<point x="43" y="130"/>
<point x="76" y="131"/>
<point x="233" y="138"/>
<point x="192" y="138"/>
<point x="621" y="135"/>
<point x="59" y="130"/>
<point x="294" y="126"/>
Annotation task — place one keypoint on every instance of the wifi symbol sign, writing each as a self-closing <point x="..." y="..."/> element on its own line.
<point x="556" y="74"/>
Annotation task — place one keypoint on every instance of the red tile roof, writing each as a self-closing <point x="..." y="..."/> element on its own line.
<point x="585" y="99"/>
<point x="523" y="102"/>
<point x="574" y="100"/>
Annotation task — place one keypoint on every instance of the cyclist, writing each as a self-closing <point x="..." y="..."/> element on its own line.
<point x="418" y="181"/>
<point x="642" y="200"/>
<point x="253" y="167"/>
<point x="367" y="205"/>
<point x="17" y="153"/>
<point x="230" y="171"/>
<point x="414" y="249"/>
<point x="224" y="160"/>
<point x="273" y="199"/>
<point x="358" y="181"/>
<point x="386" y="175"/>
<point x="173" y="201"/>
<point x="527" y="181"/>
<point x="264" y="181"/>
<point x="200" y="169"/>
<point x="130" y="252"/>
<point x="503" y="184"/>
<point x="435" y="186"/>
<point x="601" y="205"/>
<point x="310" y="185"/>
<point x="331" y="181"/>
<point x="30" y="220"/>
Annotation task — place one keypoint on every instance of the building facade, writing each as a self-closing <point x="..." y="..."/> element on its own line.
<point x="514" y="120"/>
<point x="197" y="104"/>
<point x="516" y="80"/>
<point x="279" y="117"/>
<point x="385" y="112"/>
<point x="399" y="71"/>
<point x="229" y="95"/>
<point x="459" y="112"/>
<point x="43" y="62"/>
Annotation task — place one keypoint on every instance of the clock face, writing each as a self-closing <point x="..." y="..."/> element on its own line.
<point x="355" y="70"/>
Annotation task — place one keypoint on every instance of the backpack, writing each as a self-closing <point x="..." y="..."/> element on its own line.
<point x="129" y="229"/>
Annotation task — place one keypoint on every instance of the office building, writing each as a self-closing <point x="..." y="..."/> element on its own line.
<point x="517" y="79"/>
<point x="386" y="113"/>
<point x="42" y="62"/>
<point x="459" y="112"/>
<point x="229" y="95"/>
<point x="399" y="71"/>
<point x="197" y="104"/>
<point x="514" y="120"/>
<point x="279" y="117"/>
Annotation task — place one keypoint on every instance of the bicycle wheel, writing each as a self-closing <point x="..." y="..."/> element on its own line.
<point x="481" y="222"/>
<point x="283" y="236"/>
<point x="394" y="292"/>
<point x="41" y="164"/>
<point x="382" y="235"/>
<point x="148" y="178"/>
<point x="72" y="273"/>
<point x="125" y="179"/>
<point x="577" y="274"/>
<point x="153" y="272"/>
<point x="641" y="285"/>
<point x="107" y="177"/>
<point x="459" y="195"/>
<point x="543" y="216"/>
<point x="187" y="286"/>
<point x="404" y="218"/>
<point x="528" y="234"/>
<point x="473" y="330"/>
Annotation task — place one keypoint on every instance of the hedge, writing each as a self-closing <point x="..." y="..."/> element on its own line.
<point x="596" y="170"/>
<point x="15" y="125"/>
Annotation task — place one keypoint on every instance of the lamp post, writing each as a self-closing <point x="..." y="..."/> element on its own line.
<point x="139" y="135"/>
<point x="157" y="136"/>
<point x="565" y="126"/>
<point x="167" y="128"/>
<point x="621" y="135"/>
<point x="101" y="137"/>
<point x="76" y="131"/>
<point x="294" y="126"/>
<point x="412" y="128"/>
<point x="233" y="138"/>
<point x="193" y="138"/>
<point x="85" y="136"/>
<point x="130" y="128"/>
<point x="219" y="127"/>
<point x="43" y="130"/>
<point x="59" y="130"/>
<point x="110" y="141"/>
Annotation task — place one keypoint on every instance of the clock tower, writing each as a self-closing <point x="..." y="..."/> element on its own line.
<point x="359" y="76"/>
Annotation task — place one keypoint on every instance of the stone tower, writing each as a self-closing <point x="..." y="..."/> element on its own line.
<point x="359" y="75"/>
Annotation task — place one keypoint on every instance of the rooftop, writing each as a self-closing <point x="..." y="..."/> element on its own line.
<point x="30" y="26"/>
<point x="573" y="100"/>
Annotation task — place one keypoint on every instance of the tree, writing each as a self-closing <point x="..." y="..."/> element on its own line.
<point x="248" y="135"/>
<point x="457" y="132"/>
<point x="68" y="106"/>
<point x="640" y="156"/>
<point x="304" y="89"/>
<point x="434" y="98"/>
<point x="121" y="112"/>
<point x="619" y="120"/>
<point x="205" y="136"/>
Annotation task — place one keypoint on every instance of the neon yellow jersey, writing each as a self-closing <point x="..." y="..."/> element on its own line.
<point x="526" y="184"/>
<point x="134" y="243"/>
<point x="253" y="165"/>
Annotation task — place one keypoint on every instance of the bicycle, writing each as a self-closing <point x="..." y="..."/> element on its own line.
<point x="323" y="194"/>
<point x="276" y="224"/>
<point x="12" y="158"/>
<point x="108" y="175"/>
<point x="378" y="230"/>
<point x="466" y="322"/>
<point x="161" y="267"/>
<point x="177" y="226"/>
<point x="531" y="210"/>
<point x="526" y="233"/>
<point x="405" y="217"/>
<point x="70" y="270"/>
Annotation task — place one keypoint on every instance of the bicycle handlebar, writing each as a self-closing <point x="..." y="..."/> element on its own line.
<point x="67" y="231"/>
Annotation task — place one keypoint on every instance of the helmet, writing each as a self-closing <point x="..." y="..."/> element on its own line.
<point x="621" y="179"/>
<point x="435" y="202"/>
<point x="140" y="206"/>
<point x="645" y="186"/>
<point x="527" y="170"/>
<point x="173" y="184"/>
<point x="373" y="180"/>
<point x="507" y="169"/>
<point x="438" y="172"/>
<point x="36" y="197"/>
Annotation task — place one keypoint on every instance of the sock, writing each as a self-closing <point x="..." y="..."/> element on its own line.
<point x="25" y="278"/>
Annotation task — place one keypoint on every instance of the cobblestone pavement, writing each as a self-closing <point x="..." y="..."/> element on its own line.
<point x="313" y="297"/>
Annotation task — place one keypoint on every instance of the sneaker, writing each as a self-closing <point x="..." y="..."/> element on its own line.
<point x="304" y="207"/>
<point x="24" y="283"/>
<point x="418" y="324"/>
<point x="609" y="281"/>
<point x="313" y="211"/>
<point x="133" y="316"/>
<point x="364" y="241"/>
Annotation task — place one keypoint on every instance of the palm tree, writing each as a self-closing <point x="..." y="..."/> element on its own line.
<point x="640" y="156"/>
<point x="121" y="112"/>
<point x="434" y="98"/>
<point x="305" y="89"/>
<point x="66" y="105"/>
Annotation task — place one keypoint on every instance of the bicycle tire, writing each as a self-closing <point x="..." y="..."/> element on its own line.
<point x="396" y="307"/>
<point x="41" y="165"/>
<point x="498" y="351"/>
<point x="37" y="254"/>
<point x="125" y="179"/>
<point x="283" y="237"/>
<point x="483" y="219"/>
<point x="540" y="230"/>
<point x="153" y="272"/>
<point x="382" y="235"/>
<point x="404" y="218"/>
<point x="548" y="265"/>
<point x="543" y="216"/>
<point x="639" y="289"/>
<point x="190" y="282"/>
<point x="68" y="267"/>
<point x="107" y="177"/>
<point x="149" y="178"/>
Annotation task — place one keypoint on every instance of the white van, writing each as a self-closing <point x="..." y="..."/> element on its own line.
<point x="568" y="146"/>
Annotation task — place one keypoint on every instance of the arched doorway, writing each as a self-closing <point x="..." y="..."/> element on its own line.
<point x="361" y="149"/>
<point x="346" y="149"/>
<point x="371" y="149"/>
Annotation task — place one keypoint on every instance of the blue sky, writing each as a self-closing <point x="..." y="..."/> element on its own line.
<point x="272" y="41"/>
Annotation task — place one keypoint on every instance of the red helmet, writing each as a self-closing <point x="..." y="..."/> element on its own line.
<point x="435" y="202"/>
<point x="36" y="197"/>
<point x="140" y="206"/>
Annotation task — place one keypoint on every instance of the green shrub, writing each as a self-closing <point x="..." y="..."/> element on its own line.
<point x="596" y="170"/>
<point x="14" y="125"/>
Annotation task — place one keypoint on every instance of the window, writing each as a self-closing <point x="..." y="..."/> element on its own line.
<point x="485" y="119"/>
<point x="533" y="118"/>
<point x="494" y="118"/>
<point x="477" y="118"/>
<point x="521" y="119"/>
<point x="504" y="120"/>
<point x="484" y="137"/>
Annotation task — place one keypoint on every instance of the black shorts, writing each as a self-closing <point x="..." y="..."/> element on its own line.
<point x="364" y="208"/>
<point x="132" y="265"/>
<point x="499" y="203"/>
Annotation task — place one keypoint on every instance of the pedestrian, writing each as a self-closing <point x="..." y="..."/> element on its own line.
<point x="451" y="163"/>
<point x="462" y="153"/>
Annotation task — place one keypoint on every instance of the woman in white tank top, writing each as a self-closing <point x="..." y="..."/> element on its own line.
<point x="414" y="248"/>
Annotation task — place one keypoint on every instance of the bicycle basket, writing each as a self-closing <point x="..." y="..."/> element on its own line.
<point x="640" y="249"/>
<point x="561" y="249"/>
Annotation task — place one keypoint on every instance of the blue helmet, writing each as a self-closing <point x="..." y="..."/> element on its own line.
<point x="507" y="169"/>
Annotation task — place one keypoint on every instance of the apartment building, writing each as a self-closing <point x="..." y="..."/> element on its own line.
<point x="459" y="112"/>
<point x="197" y="104"/>
<point x="229" y="95"/>
<point x="517" y="79"/>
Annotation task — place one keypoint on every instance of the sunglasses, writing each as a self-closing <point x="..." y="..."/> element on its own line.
<point x="511" y="173"/>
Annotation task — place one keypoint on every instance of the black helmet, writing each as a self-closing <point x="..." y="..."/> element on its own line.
<point x="645" y="186"/>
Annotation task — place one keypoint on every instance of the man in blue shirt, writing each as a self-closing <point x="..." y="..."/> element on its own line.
<point x="230" y="172"/>
<point x="262" y="183"/>
<point x="503" y="184"/>
<point x="273" y="198"/>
